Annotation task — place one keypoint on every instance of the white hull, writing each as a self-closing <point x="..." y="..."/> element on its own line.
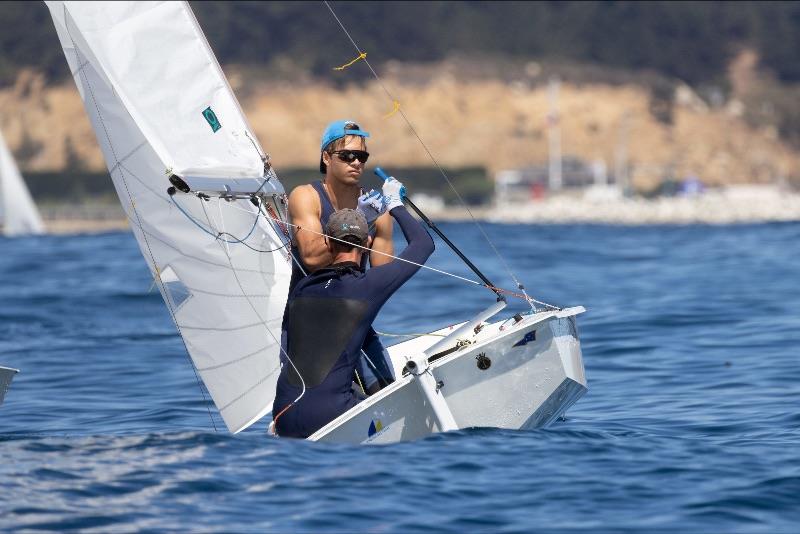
<point x="6" y="374"/>
<point x="531" y="380"/>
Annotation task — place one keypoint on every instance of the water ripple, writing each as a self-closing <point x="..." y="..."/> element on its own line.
<point x="690" y="423"/>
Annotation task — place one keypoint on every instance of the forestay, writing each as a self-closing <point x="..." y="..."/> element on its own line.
<point x="18" y="213"/>
<point x="160" y="104"/>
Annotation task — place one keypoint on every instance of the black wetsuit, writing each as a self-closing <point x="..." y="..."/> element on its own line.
<point x="328" y="316"/>
<point x="380" y="370"/>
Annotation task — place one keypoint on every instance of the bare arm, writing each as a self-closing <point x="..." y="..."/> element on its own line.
<point x="382" y="241"/>
<point x="304" y="211"/>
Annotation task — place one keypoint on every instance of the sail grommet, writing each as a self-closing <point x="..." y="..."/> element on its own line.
<point x="483" y="361"/>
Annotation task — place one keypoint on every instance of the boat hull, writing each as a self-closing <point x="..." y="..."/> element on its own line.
<point x="6" y="375"/>
<point x="512" y="375"/>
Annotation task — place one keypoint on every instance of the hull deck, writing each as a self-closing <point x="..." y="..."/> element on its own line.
<point x="511" y="374"/>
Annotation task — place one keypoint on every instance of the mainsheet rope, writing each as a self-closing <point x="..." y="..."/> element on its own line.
<point x="398" y="109"/>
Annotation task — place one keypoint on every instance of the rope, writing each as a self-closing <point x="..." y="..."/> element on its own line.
<point x="520" y="286"/>
<point x="218" y="236"/>
<point x="360" y="383"/>
<point x="298" y="228"/>
<point x="255" y="311"/>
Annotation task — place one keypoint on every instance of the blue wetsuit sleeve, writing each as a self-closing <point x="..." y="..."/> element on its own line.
<point x="384" y="280"/>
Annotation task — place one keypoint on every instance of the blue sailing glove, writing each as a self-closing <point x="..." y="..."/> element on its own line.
<point x="372" y="206"/>
<point x="393" y="193"/>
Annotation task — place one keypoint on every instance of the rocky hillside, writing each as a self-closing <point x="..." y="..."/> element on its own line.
<point x="464" y="120"/>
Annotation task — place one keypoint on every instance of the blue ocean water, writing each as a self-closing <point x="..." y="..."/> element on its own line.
<point x="691" y="422"/>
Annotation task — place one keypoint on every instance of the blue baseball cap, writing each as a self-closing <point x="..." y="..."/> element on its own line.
<point x="337" y="130"/>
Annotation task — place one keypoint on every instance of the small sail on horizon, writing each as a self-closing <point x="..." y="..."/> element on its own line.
<point x="18" y="213"/>
<point x="159" y="105"/>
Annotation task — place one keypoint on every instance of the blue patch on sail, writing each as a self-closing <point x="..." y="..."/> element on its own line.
<point x="530" y="336"/>
<point x="211" y="119"/>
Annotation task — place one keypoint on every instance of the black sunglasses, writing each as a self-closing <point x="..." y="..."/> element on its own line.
<point x="349" y="156"/>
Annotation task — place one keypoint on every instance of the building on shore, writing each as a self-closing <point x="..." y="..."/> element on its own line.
<point x="532" y="183"/>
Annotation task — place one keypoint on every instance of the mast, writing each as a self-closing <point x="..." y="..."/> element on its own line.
<point x="621" y="154"/>
<point x="554" y="136"/>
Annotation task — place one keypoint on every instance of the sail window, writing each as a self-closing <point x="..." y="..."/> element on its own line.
<point x="176" y="290"/>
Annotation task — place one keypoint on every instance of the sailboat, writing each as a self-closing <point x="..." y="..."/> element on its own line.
<point x="209" y="214"/>
<point x="18" y="213"/>
<point x="6" y="375"/>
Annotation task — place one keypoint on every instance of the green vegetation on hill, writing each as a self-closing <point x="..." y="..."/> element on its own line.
<point x="692" y="41"/>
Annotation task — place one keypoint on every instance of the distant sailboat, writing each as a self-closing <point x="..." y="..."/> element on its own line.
<point x="18" y="213"/>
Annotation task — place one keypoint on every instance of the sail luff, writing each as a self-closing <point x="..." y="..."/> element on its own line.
<point x="157" y="99"/>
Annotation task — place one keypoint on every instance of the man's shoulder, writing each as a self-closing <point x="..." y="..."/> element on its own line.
<point x="303" y="190"/>
<point x="331" y="281"/>
<point x="304" y="198"/>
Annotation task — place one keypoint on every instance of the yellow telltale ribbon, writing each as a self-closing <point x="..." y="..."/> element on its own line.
<point x="362" y="55"/>
<point x="396" y="108"/>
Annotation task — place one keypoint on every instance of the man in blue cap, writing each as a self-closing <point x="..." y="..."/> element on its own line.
<point x="329" y="314"/>
<point x="342" y="160"/>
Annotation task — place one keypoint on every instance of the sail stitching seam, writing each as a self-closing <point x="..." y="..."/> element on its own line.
<point x="127" y="156"/>
<point x="80" y="66"/>
<point x="196" y="258"/>
<point x="231" y="362"/>
<point x="254" y="386"/>
<point x="220" y="328"/>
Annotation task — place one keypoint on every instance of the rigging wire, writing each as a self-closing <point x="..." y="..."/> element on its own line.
<point x="399" y="110"/>
<point x="522" y="296"/>
<point x="118" y="164"/>
<point x="218" y="236"/>
<point x="509" y="292"/>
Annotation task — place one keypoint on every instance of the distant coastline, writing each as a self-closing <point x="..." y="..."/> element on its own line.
<point x="731" y="205"/>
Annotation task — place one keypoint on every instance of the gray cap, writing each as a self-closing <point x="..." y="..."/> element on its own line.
<point x="347" y="222"/>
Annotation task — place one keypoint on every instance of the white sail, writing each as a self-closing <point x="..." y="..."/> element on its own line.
<point x="18" y="213"/>
<point x="160" y="104"/>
